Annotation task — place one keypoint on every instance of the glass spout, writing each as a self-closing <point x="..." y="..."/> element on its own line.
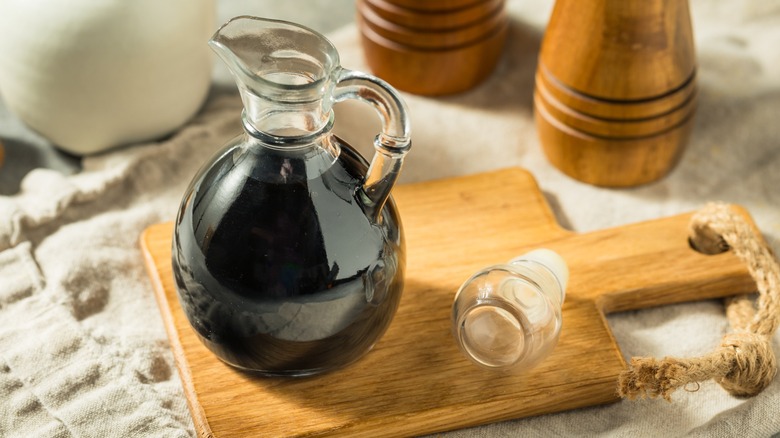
<point x="285" y="73"/>
<point x="289" y="78"/>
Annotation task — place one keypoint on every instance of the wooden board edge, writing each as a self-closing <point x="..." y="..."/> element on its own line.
<point x="615" y="345"/>
<point x="492" y="413"/>
<point x="158" y="277"/>
<point x="740" y="281"/>
<point x="544" y="203"/>
<point x="196" y="410"/>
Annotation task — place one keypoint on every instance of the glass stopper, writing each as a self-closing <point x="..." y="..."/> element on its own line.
<point x="509" y="316"/>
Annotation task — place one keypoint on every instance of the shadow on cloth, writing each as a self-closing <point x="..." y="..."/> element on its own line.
<point x="511" y="85"/>
<point x="21" y="157"/>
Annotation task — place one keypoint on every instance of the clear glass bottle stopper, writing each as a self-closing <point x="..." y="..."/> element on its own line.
<point x="509" y="316"/>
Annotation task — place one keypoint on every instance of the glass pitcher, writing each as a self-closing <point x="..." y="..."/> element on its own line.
<point x="288" y="251"/>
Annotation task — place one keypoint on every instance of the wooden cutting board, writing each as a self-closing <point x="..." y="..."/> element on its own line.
<point x="415" y="380"/>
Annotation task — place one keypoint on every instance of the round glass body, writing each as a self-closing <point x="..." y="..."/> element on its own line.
<point x="287" y="250"/>
<point x="279" y="268"/>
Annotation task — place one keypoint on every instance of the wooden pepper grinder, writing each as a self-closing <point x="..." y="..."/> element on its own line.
<point x="432" y="47"/>
<point x="616" y="89"/>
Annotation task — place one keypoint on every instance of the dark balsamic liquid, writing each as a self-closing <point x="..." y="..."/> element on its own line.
<point x="278" y="267"/>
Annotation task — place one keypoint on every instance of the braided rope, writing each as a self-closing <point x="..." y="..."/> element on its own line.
<point x="744" y="363"/>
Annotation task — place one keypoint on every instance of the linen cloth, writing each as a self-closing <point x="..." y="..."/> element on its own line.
<point x="83" y="351"/>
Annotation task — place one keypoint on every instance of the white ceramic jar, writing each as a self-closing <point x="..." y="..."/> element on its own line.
<point x="93" y="74"/>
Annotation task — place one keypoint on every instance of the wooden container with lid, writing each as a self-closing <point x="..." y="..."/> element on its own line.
<point x="432" y="47"/>
<point x="616" y="89"/>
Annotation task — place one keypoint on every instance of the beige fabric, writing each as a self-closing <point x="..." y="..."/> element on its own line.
<point x="82" y="348"/>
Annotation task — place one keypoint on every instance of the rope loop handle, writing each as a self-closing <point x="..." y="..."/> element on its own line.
<point x="744" y="363"/>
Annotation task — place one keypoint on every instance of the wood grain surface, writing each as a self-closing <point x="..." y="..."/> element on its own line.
<point x="617" y="49"/>
<point x="431" y="72"/>
<point x="415" y="380"/>
<point x="613" y="128"/>
<point x="614" y="109"/>
<point x="434" y="21"/>
<point x="427" y="39"/>
<point x="434" y="61"/>
<point x="435" y="5"/>
<point x="610" y="161"/>
<point x="615" y="89"/>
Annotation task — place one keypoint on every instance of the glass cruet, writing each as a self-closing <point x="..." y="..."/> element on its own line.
<point x="288" y="251"/>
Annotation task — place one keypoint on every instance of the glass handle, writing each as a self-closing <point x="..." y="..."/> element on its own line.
<point x="391" y="144"/>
